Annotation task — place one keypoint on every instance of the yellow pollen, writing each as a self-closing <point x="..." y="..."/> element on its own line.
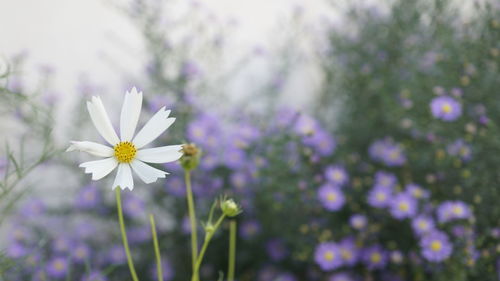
<point x="125" y="152"/>
<point x="59" y="265"/>
<point x="375" y="257"/>
<point x="346" y="254"/>
<point x="457" y="210"/>
<point x="423" y="225"/>
<point x="446" y="108"/>
<point x="380" y="196"/>
<point x="436" y="246"/>
<point x="329" y="256"/>
<point x="404" y="206"/>
<point x="337" y="175"/>
<point x="332" y="197"/>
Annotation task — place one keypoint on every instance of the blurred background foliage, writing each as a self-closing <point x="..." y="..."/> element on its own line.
<point x="376" y="115"/>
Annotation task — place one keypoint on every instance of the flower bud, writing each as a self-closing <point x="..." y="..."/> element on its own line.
<point x="191" y="156"/>
<point x="230" y="208"/>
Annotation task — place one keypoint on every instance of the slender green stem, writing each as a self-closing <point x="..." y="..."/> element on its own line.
<point x="157" y="248"/>
<point x="208" y="237"/>
<point x="192" y="219"/>
<point x="232" y="250"/>
<point x="124" y="235"/>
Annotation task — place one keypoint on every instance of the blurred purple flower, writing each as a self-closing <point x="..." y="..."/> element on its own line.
<point x="88" y="197"/>
<point x="94" y="276"/>
<point x="380" y="197"/>
<point x="331" y="197"/>
<point x="175" y="186"/>
<point x="461" y="149"/>
<point x="80" y="253"/>
<point x="403" y="206"/>
<point x="358" y="221"/>
<point x="417" y="191"/>
<point x="436" y="247"/>
<point x="57" y="267"/>
<point x="327" y="256"/>
<point x="342" y="276"/>
<point x="446" y="108"/>
<point x="349" y="251"/>
<point x="167" y="270"/>
<point x="32" y="208"/>
<point x="375" y="257"/>
<point x="452" y="210"/>
<point x="276" y="249"/>
<point x="337" y="175"/>
<point x="133" y="206"/>
<point x="423" y="225"/>
<point x="249" y="229"/>
<point x="16" y="250"/>
<point x="116" y="255"/>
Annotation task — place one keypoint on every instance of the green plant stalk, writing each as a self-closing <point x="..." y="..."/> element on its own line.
<point x="157" y="248"/>
<point x="208" y="237"/>
<point x="192" y="219"/>
<point x="232" y="250"/>
<point x="124" y="235"/>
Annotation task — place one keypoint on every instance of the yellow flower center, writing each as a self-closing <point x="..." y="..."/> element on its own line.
<point x="375" y="257"/>
<point x="337" y="175"/>
<point x="404" y="206"/>
<point x="446" y="108"/>
<point x="329" y="256"/>
<point x="423" y="225"/>
<point x="346" y="254"/>
<point x="125" y="152"/>
<point x="332" y="197"/>
<point x="59" y="265"/>
<point x="380" y="196"/>
<point x="436" y="246"/>
<point x="458" y="210"/>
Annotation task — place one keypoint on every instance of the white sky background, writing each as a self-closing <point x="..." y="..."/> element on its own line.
<point x="72" y="36"/>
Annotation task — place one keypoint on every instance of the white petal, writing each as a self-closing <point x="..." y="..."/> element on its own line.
<point x="100" y="168"/>
<point x="147" y="173"/>
<point x="101" y="121"/>
<point x="124" y="177"/>
<point x="155" y="127"/>
<point x="163" y="154"/>
<point x="93" y="148"/>
<point x="131" y="110"/>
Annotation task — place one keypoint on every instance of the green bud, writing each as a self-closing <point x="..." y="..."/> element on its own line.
<point x="209" y="228"/>
<point x="191" y="156"/>
<point x="230" y="208"/>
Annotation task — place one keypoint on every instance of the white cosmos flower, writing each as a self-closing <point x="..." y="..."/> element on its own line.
<point x="127" y="152"/>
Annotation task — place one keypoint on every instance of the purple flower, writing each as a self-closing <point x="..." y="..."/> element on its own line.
<point x="331" y="197"/>
<point x="234" y="158"/>
<point x="375" y="257"/>
<point x="32" y="208"/>
<point x="417" y="191"/>
<point x="94" y="276"/>
<point x="239" y="181"/>
<point x="57" y="267"/>
<point x="62" y="244"/>
<point x="436" y="247"/>
<point x="321" y="142"/>
<point x="422" y="225"/>
<point x="249" y="229"/>
<point x="175" y="186"/>
<point x="88" y="197"/>
<point x="327" y="256"/>
<point x="348" y="251"/>
<point x="342" y="276"/>
<point x="337" y="175"/>
<point x="133" y="205"/>
<point x="167" y="270"/>
<point x="385" y="179"/>
<point x="81" y="253"/>
<point x="461" y="149"/>
<point x="306" y="125"/>
<point x="446" y="108"/>
<point x="380" y="197"/>
<point x="403" y="206"/>
<point x="452" y="210"/>
<point x="16" y="250"/>
<point x="358" y="222"/>
<point x="388" y="152"/>
<point x="276" y="249"/>
<point x="116" y="254"/>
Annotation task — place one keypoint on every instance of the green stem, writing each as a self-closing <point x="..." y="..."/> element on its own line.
<point x="232" y="250"/>
<point x="157" y="248"/>
<point x="192" y="219"/>
<point x="208" y="237"/>
<point x="124" y="235"/>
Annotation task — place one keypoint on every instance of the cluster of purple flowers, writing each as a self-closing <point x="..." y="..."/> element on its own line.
<point x="387" y="151"/>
